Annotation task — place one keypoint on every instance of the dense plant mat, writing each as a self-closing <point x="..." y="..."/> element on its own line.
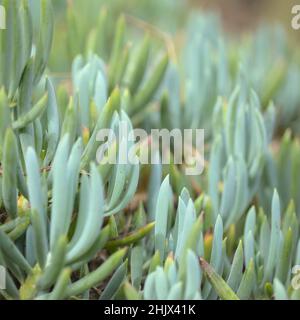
<point x="75" y="228"/>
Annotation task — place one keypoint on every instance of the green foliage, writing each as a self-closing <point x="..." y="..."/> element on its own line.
<point x="71" y="225"/>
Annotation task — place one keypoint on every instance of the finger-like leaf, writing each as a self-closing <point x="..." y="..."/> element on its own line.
<point x="144" y="96"/>
<point x="221" y="287"/>
<point x="9" y="178"/>
<point x="95" y="277"/>
<point x="115" y="282"/>
<point x="162" y="208"/>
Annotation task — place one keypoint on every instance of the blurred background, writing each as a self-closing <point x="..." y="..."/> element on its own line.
<point x="237" y="15"/>
<point x="170" y="16"/>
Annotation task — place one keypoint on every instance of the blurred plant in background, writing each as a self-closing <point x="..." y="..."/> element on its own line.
<point x="73" y="228"/>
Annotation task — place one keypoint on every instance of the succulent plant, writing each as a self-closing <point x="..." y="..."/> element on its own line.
<point x="74" y="225"/>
